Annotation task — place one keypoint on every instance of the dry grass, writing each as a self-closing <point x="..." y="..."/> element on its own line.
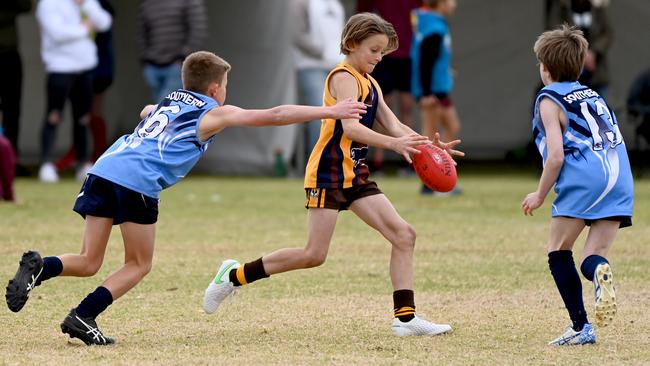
<point x="480" y="266"/>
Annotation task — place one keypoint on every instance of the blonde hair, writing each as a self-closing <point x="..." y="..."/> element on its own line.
<point x="202" y="68"/>
<point x="562" y="51"/>
<point x="363" y="25"/>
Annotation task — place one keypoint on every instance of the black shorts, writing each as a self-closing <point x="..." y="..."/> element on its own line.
<point x="443" y="99"/>
<point x="103" y="198"/>
<point x="339" y="199"/>
<point x="393" y="74"/>
<point x="625" y="221"/>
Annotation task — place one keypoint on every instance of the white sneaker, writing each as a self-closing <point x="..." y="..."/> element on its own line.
<point x="47" y="173"/>
<point x="604" y="295"/>
<point x="82" y="171"/>
<point x="572" y="338"/>
<point x="220" y="287"/>
<point x="417" y="327"/>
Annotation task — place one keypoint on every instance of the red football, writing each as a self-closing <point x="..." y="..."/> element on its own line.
<point x="435" y="168"/>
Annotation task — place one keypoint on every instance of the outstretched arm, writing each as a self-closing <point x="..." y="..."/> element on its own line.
<point x="551" y="115"/>
<point x="227" y="116"/>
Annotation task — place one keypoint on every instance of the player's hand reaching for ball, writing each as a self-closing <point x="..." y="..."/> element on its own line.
<point x="447" y="146"/>
<point x="532" y="201"/>
<point x="406" y="145"/>
<point x="348" y="109"/>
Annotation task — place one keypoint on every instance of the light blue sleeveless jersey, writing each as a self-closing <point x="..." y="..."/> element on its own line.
<point x="595" y="181"/>
<point x="426" y="23"/>
<point x="162" y="149"/>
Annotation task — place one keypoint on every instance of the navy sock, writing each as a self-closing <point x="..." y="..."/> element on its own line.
<point x="568" y="283"/>
<point x="52" y="267"/>
<point x="95" y="303"/>
<point x="588" y="266"/>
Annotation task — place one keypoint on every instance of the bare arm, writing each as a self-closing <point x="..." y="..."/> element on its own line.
<point x="551" y="116"/>
<point x="146" y="110"/>
<point x="227" y="116"/>
<point x="344" y="85"/>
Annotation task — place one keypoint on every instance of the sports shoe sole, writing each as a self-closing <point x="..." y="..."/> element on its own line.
<point x="75" y="332"/>
<point x="17" y="293"/>
<point x="606" y="299"/>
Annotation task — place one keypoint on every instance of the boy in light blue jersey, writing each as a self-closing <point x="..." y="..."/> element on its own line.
<point x="123" y="186"/>
<point x="431" y="73"/>
<point x="585" y="158"/>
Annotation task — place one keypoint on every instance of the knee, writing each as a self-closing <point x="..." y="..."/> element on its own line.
<point x="313" y="259"/>
<point x="54" y="117"/>
<point x="85" y="119"/>
<point x="143" y="268"/>
<point x="91" y="267"/>
<point x="404" y="237"/>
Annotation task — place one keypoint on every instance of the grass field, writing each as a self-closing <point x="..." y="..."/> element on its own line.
<point x="480" y="266"/>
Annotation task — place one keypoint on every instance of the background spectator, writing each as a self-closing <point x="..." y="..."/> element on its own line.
<point x="316" y="43"/>
<point x="11" y="70"/>
<point x="70" y="55"/>
<point x="393" y="73"/>
<point x="102" y="80"/>
<point x="168" y="31"/>
<point x="591" y="17"/>
<point x="432" y="75"/>
<point x="7" y="169"/>
<point x="638" y="104"/>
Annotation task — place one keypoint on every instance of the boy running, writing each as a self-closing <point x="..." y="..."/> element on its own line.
<point x="123" y="186"/>
<point x="585" y="159"/>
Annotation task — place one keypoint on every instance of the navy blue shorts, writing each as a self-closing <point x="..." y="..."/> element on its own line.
<point x="626" y="221"/>
<point x="103" y="198"/>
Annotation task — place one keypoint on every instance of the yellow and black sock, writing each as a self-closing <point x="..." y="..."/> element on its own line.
<point x="404" y="305"/>
<point x="249" y="272"/>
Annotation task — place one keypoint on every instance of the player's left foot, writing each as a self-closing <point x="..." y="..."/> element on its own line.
<point x="26" y="278"/>
<point x="572" y="338"/>
<point x="418" y="327"/>
<point x="220" y="287"/>
<point x="604" y="295"/>
<point x="85" y="329"/>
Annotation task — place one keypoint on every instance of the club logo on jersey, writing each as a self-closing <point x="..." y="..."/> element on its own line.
<point x="314" y="193"/>
<point x="358" y="155"/>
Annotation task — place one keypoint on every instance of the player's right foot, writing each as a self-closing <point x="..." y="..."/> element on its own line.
<point x="26" y="278"/>
<point x="418" y="327"/>
<point x="572" y="338"/>
<point x="220" y="287"/>
<point x="85" y="329"/>
<point x="604" y="295"/>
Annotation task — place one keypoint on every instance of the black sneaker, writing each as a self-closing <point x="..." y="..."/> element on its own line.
<point x="26" y="278"/>
<point x="85" y="329"/>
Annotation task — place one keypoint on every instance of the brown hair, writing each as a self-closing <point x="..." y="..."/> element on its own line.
<point x="363" y="25"/>
<point x="562" y="51"/>
<point x="202" y="68"/>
